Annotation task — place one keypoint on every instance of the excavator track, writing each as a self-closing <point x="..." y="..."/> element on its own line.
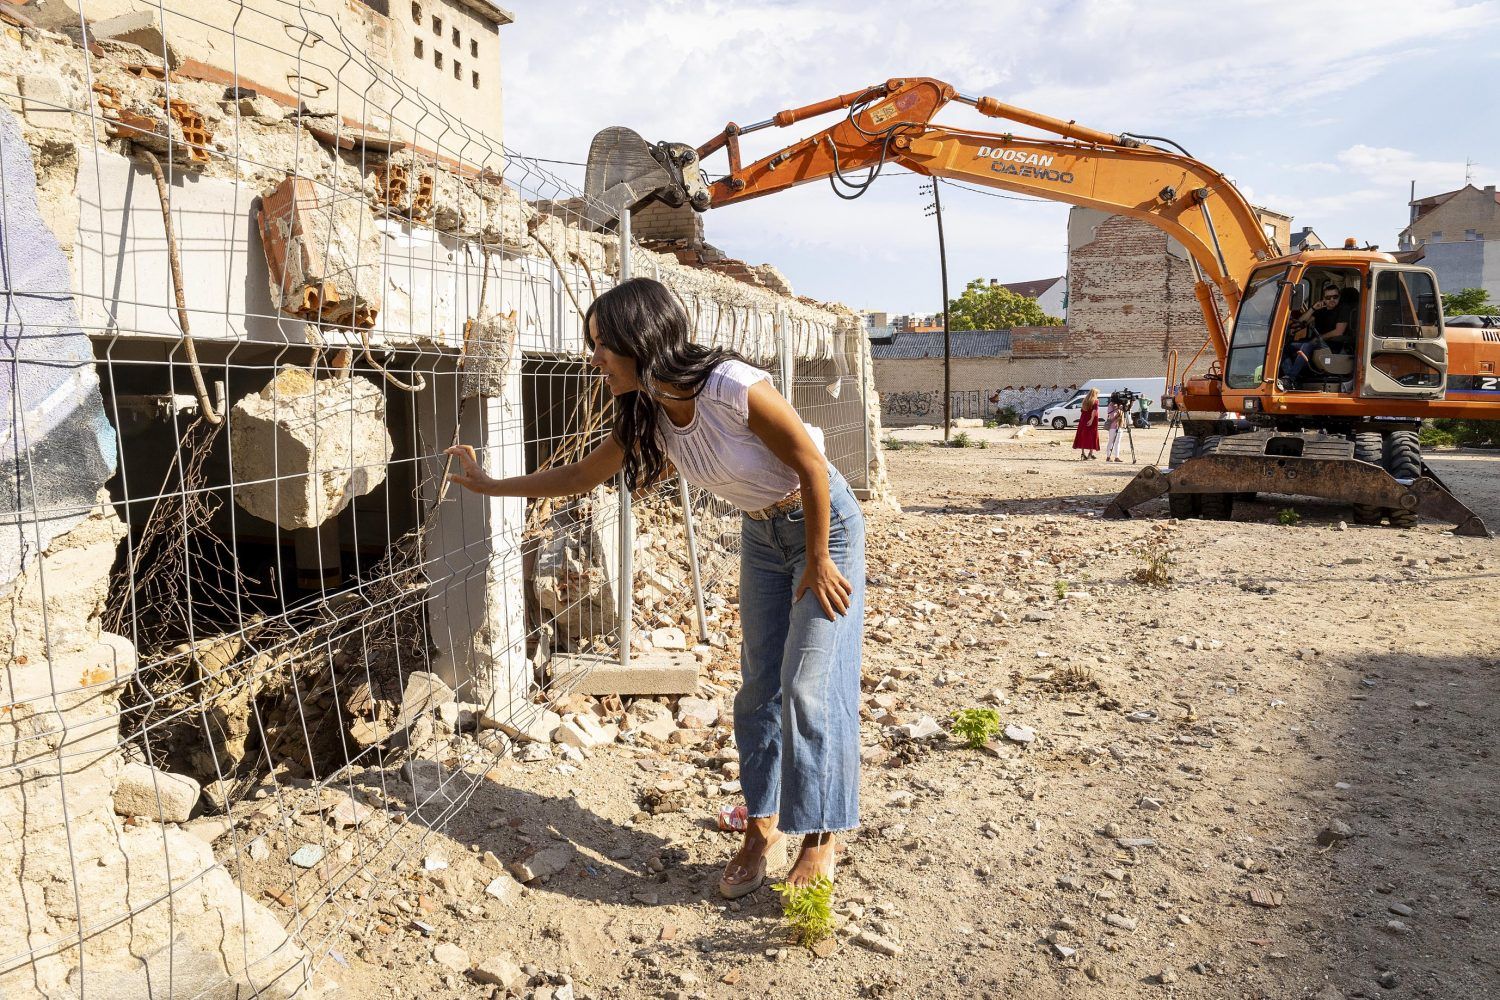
<point x="1299" y="465"/>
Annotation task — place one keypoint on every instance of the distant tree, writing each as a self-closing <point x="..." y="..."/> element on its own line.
<point x="1469" y="302"/>
<point x="983" y="306"/>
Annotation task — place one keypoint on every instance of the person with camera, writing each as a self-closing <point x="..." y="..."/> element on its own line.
<point x="1114" y="421"/>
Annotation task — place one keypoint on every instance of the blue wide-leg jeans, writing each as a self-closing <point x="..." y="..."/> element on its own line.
<point x="796" y="716"/>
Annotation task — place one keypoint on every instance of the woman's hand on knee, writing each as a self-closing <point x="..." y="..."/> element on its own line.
<point x="832" y="588"/>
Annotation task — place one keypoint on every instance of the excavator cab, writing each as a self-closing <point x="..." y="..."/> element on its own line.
<point x="1356" y="328"/>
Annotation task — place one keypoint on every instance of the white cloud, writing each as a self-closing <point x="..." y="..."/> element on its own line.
<point x="1385" y="162"/>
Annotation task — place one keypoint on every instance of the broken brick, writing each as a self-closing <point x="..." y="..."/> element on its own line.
<point x="322" y="253"/>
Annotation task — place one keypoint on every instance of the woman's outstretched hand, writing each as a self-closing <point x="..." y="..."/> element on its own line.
<point x="832" y="589"/>
<point x="472" y="476"/>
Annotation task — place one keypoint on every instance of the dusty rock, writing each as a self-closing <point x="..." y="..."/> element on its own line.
<point x="498" y="970"/>
<point x="141" y="790"/>
<point x="1335" y="831"/>
<point x="543" y="863"/>
<point x="292" y="469"/>
<point x="1020" y="734"/>
<point x="451" y="956"/>
<point x="878" y="944"/>
<point x="697" y="713"/>
<point x="924" y="728"/>
<point x="307" y="856"/>
<point x="502" y="887"/>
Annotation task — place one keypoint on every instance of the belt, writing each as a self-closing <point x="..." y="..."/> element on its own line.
<point x="792" y="501"/>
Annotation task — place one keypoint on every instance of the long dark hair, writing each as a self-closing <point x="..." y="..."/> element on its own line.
<point x="642" y="320"/>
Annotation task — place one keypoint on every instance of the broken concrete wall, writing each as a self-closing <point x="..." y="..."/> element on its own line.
<point x="86" y="902"/>
<point x="336" y="57"/>
<point x="57" y="449"/>
<point x="79" y="891"/>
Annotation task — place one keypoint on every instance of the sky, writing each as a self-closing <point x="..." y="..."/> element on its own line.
<point x="1326" y="111"/>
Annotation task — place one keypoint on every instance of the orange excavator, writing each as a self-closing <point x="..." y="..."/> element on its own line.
<point x="1292" y="403"/>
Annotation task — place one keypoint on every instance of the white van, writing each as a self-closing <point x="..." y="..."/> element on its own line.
<point x="1065" y="415"/>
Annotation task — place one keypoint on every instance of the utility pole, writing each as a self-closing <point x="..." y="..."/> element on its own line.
<point x="936" y="208"/>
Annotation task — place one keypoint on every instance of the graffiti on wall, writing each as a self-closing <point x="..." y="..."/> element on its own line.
<point x="910" y="404"/>
<point x="918" y="406"/>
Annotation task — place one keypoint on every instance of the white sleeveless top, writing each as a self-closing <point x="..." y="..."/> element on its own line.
<point x="718" y="451"/>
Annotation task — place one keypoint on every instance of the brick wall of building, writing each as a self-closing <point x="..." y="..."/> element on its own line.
<point x="656" y="221"/>
<point x="1470" y="209"/>
<point x="1130" y="295"/>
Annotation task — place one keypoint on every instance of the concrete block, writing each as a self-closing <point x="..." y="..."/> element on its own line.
<point x="583" y="731"/>
<point x="529" y="724"/>
<point x="657" y="672"/>
<point x="489" y="348"/>
<point x="669" y="638"/>
<point x="44" y="102"/>
<point x="660" y="728"/>
<point x="139" y="28"/>
<point x="323" y="254"/>
<point x="142" y="790"/>
<point x="305" y="448"/>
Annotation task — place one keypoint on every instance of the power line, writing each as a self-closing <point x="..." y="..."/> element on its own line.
<point x="994" y="194"/>
<point x="543" y="159"/>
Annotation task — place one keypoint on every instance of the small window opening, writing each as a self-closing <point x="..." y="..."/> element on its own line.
<point x="416" y="47"/>
<point x="416" y="13"/>
<point x="437" y="26"/>
<point x="458" y="39"/>
<point x="458" y="70"/>
<point x="474" y="48"/>
<point x="475" y="76"/>
<point x="437" y="58"/>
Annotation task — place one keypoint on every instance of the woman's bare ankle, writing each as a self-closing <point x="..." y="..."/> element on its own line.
<point x="761" y="828"/>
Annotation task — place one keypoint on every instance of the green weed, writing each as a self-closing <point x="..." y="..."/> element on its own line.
<point x="977" y="726"/>
<point x="808" y="909"/>
<point x="1288" y="515"/>
<point x="1060" y="587"/>
<point x="1158" y="555"/>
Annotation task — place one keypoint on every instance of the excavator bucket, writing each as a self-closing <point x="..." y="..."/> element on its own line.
<point x="1296" y="465"/>
<point x="624" y="170"/>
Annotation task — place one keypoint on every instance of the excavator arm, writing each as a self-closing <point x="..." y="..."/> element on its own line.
<point x="892" y="123"/>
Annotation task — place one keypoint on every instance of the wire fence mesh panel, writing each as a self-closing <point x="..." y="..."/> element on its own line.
<point x="263" y="263"/>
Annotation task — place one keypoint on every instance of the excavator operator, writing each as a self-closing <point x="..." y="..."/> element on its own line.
<point x="1329" y="321"/>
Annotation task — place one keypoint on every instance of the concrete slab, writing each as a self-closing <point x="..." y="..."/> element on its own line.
<point x="656" y="672"/>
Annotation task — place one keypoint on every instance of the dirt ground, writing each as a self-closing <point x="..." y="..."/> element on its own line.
<point x="1270" y="777"/>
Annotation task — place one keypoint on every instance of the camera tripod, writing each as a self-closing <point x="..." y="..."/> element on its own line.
<point x="1129" y="436"/>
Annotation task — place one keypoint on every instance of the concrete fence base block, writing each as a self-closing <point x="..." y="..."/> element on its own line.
<point x="656" y="672"/>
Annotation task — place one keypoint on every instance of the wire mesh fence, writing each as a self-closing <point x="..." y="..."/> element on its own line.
<point x="263" y="262"/>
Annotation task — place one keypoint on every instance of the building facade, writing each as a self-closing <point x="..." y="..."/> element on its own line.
<point x="1458" y="233"/>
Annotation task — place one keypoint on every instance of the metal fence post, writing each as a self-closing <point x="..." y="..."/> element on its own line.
<point x="865" y="378"/>
<point x="692" y="547"/>
<point x="788" y="363"/>
<point x="627" y="520"/>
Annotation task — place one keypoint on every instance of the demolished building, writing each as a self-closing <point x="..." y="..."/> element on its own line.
<point x="261" y="273"/>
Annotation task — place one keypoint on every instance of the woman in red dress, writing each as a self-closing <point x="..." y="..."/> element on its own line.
<point x="1086" y="440"/>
